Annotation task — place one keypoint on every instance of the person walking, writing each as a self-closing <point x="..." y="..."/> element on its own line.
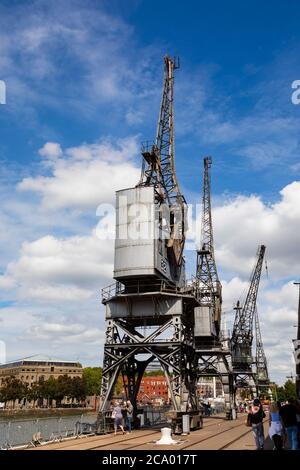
<point x="297" y="405"/>
<point x="275" y="426"/>
<point x="255" y="418"/>
<point x="129" y="408"/>
<point x="118" y="418"/>
<point x="288" y="414"/>
<point x="124" y="413"/>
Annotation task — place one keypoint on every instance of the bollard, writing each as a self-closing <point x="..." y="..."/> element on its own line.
<point x="166" y="438"/>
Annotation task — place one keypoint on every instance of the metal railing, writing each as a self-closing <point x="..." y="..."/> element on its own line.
<point x="139" y="287"/>
<point x="33" y="432"/>
<point x="154" y="415"/>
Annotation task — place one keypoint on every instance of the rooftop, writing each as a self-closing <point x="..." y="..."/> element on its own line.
<point x="38" y="358"/>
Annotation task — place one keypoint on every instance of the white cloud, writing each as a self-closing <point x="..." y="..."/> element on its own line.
<point x="51" y="150"/>
<point x="243" y="223"/>
<point x="105" y="64"/>
<point x="85" y="176"/>
<point x="52" y="269"/>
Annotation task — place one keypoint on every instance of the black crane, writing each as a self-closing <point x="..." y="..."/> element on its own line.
<point x="209" y="286"/>
<point x="242" y="335"/>
<point x="262" y="375"/>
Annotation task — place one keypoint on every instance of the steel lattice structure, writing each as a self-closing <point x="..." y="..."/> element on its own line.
<point x="159" y="160"/>
<point x="242" y="335"/>
<point x="262" y="375"/>
<point x="213" y="355"/>
<point x="210" y="289"/>
<point x="152" y="313"/>
<point x="158" y="166"/>
<point x="153" y="298"/>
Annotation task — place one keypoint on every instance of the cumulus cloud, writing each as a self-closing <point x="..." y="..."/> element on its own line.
<point x="51" y="150"/>
<point x="56" y="270"/>
<point x="52" y="269"/>
<point x="84" y="176"/>
<point x="243" y="223"/>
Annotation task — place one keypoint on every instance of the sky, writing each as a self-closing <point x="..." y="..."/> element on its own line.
<point x="83" y="87"/>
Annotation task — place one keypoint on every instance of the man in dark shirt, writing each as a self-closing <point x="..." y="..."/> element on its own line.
<point x="255" y="418"/>
<point x="288" y="414"/>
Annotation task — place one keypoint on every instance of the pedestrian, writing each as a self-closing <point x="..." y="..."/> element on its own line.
<point x="129" y="416"/>
<point x="124" y="412"/>
<point x="297" y="405"/>
<point x="255" y="418"/>
<point x="288" y="414"/>
<point x="118" y="418"/>
<point x="275" y="426"/>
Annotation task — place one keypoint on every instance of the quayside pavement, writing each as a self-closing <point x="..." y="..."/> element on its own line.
<point x="217" y="434"/>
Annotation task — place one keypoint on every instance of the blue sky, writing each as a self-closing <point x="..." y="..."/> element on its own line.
<point x="83" y="85"/>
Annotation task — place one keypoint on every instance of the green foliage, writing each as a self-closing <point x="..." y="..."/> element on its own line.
<point x="92" y="377"/>
<point x="51" y="389"/>
<point x="287" y="392"/>
<point x="12" y="389"/>
<point x="78" y="389"/>
<point x="154" y="373"/>
<point x="34" y="392"/>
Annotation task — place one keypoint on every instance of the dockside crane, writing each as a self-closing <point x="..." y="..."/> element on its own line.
<point x="212" y="355"/>
<point x="242" y="335"/>
<point x="158" y="170"/>
<point x="207" y="279"/>
<point x="148" y="311"/>
<point x="262" y="375"/>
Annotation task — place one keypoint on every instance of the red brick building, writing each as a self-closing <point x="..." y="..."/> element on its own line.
<point x="153" y="388"/>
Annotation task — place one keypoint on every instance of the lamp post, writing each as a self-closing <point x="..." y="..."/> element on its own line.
<point x="297" y="347"/>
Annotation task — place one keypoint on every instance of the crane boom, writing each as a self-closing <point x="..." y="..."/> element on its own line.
<point x="159" y="159"/>
<point x="262" y="375"/>
<point x="210" y="289"/>
<point x="242" y="335"/>
<point x="158" y="168"/>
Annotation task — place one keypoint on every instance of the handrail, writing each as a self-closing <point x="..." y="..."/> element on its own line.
<point x="118" y="289"/>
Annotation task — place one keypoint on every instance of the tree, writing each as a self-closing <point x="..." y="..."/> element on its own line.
<point x="49" y="389"/>
<point x="92" y="377"/>
<point x="287" y="392"/>
<point x="155" y="373"/>
<point x="34" y="392"/>
<point x="78" y="389"/>
<point x="12" y="389"/>
<point x="63" y="387"/>
<point x="290" y="390"/>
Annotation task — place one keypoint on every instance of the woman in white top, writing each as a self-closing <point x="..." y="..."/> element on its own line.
<point x="275" y="426"/>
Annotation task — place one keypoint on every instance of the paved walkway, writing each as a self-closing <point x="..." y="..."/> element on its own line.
<point x="217" y="434"/>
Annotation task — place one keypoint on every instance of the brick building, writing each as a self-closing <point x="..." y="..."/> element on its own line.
<point x="153" y="388"/>
<point x="39" y="368"/>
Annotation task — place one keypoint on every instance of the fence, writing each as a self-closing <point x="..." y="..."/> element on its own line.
<point x="18" y="433"/>
<point x="28" y="432"/>
<point x="153" y="416"/>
